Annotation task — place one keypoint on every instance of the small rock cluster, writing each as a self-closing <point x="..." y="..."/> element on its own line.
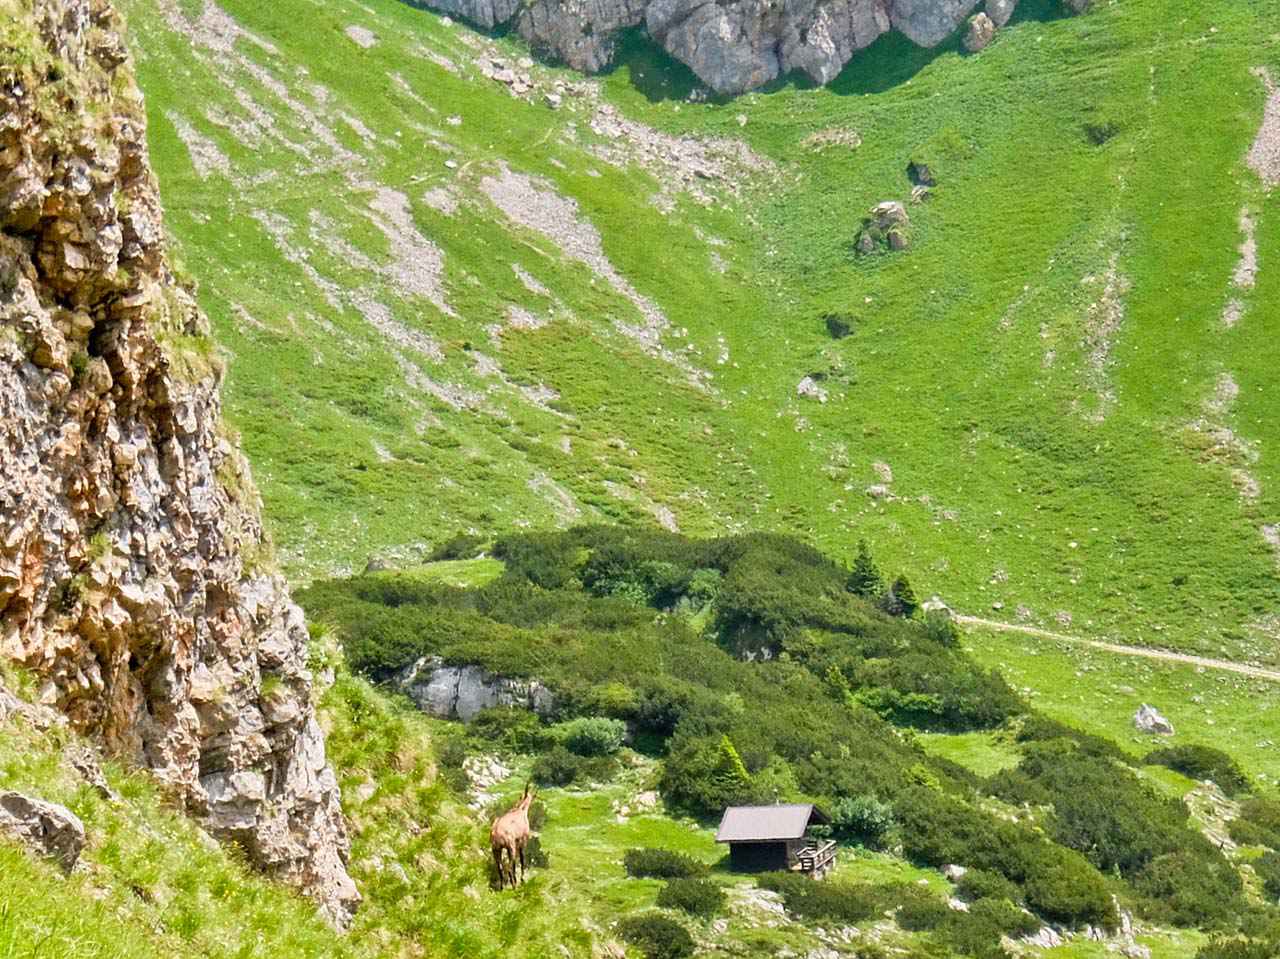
<point x="1148" y="719"/>
<point x="886" y="226"/>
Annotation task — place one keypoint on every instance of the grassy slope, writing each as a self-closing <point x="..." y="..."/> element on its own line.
<point x="1041" y="459"/>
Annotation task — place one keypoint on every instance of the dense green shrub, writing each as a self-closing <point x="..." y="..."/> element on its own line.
<point x="1246" y="833"/>
<point x="1239" y="948"/>
<point x="1202" y="762"/>
<point x="1260" y="821"/>
<point x="1267" y="867"/>
<point x="509" y="728"/>
<point x="662" y="864"/>
<point x="698" y="897"/>
<point x="830" y="900"/>
<point x="458" y="546"/>
<point x="919" y="909"/>
<point x="704" y="775"/>
<point x="557" y="767"/>
<point x="592" y="735"/>
<point x="657" y="936"/>
<point x="983" y="884"/>
<point x="863" y="819"/>
<point x="1104" y="810"/>
<point x="1058" y="883"/>
<point x="978" y="932"/>
<point x="1185" y="889"/>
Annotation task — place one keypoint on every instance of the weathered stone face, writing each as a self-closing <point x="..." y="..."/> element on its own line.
<point x="127" y="516"/>
<point x="732" y="45"/>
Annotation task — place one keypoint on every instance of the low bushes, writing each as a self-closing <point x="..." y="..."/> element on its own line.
<point x="839" y="901"/>
<point x="698" y="897"/>
<point x="984" y="884"/>
<point x="1058" y="883"/>
<point x="657" y="936"/>
<point x="863" y="819"/>
<point x="1259" y="822"/>
<point x="650" y="863"/>
<point x="1267" y="867"/>
<point x="559" y="767"/>
<point x="1202" y="762"/>
<point x="1103" y="810"/>
<point x="591" y="735"/>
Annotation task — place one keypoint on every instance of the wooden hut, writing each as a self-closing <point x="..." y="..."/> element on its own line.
<point x="763" y="838"/>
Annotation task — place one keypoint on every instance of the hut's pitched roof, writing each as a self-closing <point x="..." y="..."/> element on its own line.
<point x="766" y="823"/>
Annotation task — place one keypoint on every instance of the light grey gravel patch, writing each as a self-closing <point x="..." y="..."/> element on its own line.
<point x="1246" y="272"/>
<point x="361" y="36"/>
<point x="206" y="158"/>
<point x="442" y="199"/>
<point x="535" y="205"/>
<point x="1264" y="155"/>
<point x="561" y="500"/>
<point x="418" y="267"/>
<point x="518" y="318"/>
<point x="529" y="281"/>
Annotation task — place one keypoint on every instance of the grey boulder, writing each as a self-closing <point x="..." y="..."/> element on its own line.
<point x="43" y="827"/>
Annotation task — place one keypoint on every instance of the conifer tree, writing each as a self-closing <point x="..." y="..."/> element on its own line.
<point x="864" y="578"/>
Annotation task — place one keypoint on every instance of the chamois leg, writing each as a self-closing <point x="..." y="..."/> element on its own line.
<point x="521" y="847"/>
<point x="497" y="861"/>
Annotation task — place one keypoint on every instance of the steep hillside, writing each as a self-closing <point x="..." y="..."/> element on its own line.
<point x="467" y="293"/>
<point x="134" y="574"/>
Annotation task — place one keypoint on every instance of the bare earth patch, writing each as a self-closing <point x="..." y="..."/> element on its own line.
<point x="361" y="36"/>
<point x="205" y="155"/>
<point x="419" y="264"/>
<point x="535" y="205"/>
<point x="1102" y="323"/>
<point x="1264" y="155"/>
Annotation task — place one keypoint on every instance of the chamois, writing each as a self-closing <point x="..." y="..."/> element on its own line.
<point x="510" y="833"/>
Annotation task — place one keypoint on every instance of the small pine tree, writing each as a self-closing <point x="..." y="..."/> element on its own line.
<point x="906" y="596"/>
<point x="732" y="781"/>
<point x="864" y="578"/>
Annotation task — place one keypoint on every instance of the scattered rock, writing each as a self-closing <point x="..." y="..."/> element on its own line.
<point x="1148" y="719"/>
<point x="1046" y="938"/>
<point x="809" y="389"/>
<point x="43" y="827"/>
<point x="951" y="870"/>
<point x="980" y="33"/>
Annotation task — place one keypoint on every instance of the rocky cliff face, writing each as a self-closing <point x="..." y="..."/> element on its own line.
<point x="131" y="553"/>
<point x="732" y="45"/>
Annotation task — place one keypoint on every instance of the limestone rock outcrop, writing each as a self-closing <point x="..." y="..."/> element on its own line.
<point x="132" y="571"/>
<point x="732" y="45"/>
<point x="461" y="692"/>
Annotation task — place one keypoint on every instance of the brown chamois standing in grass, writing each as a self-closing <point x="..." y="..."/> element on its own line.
<point x="510" y="834"/>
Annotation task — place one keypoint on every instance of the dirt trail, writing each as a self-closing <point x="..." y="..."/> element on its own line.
<point x="1168" y="656"/>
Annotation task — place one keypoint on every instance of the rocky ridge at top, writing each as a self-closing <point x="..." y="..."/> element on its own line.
<point x="732" y="45"/>
<point x="132" y="574"/>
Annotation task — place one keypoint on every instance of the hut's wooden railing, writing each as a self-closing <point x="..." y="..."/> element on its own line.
<point x="817" y="858"/>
